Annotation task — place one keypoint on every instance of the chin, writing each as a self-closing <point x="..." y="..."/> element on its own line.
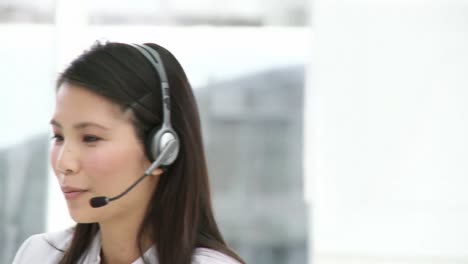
<point x="83" y="219"/>
<point x="83" y="215"/>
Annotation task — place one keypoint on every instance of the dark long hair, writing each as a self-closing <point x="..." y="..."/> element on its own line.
<point x="179" y="217"/>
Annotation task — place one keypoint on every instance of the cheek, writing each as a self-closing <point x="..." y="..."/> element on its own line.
<point x="106" y="164"/>
<point x="101" y="163"/>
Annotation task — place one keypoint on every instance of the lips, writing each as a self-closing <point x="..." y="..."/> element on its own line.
<point x="71" y="193"/>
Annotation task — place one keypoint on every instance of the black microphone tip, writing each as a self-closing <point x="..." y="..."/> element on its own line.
<point x="98" y="201"/>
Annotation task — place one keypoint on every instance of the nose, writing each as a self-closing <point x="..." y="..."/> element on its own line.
<point x="67" y="162"/>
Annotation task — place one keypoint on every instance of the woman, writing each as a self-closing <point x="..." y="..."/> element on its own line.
<point x="121" y="109"/>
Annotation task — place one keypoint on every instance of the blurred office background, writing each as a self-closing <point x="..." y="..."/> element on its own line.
<point x="335" y="130"/>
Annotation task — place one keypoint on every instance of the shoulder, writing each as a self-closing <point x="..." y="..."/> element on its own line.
<point x="45" y="247"/>
<point x="210" y="256"/>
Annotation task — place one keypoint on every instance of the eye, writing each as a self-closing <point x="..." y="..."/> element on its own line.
<point x="56" y="138"/>
<point x="91" y="139"/>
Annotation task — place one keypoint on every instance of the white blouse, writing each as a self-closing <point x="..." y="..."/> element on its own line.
<point x="43" y="248"/>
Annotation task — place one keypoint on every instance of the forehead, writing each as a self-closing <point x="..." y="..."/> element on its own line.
<point x="77" y="104"/>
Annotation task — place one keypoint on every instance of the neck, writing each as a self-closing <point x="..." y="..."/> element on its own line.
<point x="120" y="243"/>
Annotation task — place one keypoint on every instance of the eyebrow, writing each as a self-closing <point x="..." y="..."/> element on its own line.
<point x="81" y="125"/>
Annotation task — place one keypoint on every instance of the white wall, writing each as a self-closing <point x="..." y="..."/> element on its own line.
<point x="387" y="121"/>
<point x="27" y="77"/>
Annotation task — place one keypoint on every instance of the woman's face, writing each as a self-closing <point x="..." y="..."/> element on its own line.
<point x="95" y="152"/>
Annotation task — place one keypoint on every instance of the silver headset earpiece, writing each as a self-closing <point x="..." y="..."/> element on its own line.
<point x="159" y="137"/>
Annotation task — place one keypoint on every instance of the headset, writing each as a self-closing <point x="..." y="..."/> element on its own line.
<point x="161" y="135"/>
<point x="162" y="143"/>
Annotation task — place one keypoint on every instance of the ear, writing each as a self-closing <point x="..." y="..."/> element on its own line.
<point x="157" y="172"/>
